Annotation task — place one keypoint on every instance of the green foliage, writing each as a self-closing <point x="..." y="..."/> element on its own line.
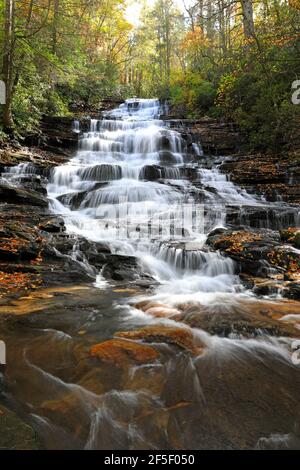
<point x="28" y="103"/>
<point x="65" y="52"/>
<point x="194" y="93"/>
<point x="259" y="101"/>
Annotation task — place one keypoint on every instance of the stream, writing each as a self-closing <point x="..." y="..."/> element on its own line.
<point x="137" y="188"/>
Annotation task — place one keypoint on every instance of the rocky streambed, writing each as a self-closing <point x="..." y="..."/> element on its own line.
<point x="120" y="345"/>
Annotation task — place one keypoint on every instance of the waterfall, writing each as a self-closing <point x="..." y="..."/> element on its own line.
<point x="123" y="167"/>
<point x="76" y="127"/>
<point x="129" y="174"/>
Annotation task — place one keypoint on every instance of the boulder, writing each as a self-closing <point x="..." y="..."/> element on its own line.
<point x="53" y="225"/>
<point x="15" y="195"/>
<point x="180" y="337"/>
<point x="123" y="268"/>
<point x="122" y="352"/>
<point x="258" y="253"/>
<point x="248" y="319"/>
<point x="292" y="291"/>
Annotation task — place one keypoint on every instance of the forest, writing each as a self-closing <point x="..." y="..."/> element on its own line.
<point x="227" y="59"/>
<point x="149" y="228"/>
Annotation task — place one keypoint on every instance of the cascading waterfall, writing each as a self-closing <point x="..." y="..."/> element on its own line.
<point x="132" y="156"/>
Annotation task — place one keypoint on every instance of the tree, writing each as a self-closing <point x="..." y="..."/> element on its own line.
<point x="7" y="68"/>
<point x="248" y="21"/>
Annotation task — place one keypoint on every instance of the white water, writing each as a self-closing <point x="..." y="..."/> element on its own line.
<point x="110" y="175"/>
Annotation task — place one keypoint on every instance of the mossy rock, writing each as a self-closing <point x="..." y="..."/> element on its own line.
<point x="15" y="434"/>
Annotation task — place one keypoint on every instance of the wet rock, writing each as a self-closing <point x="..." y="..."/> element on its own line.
<point x="181" y="337"/>
<point x="156" y="309"/>
<point x="95" y="253"/>
<point x="266" y="288"/>
<point x="15" y="434"/>
<point x="247" y="319"/>
<point x="34" y="182"/>
<point x="216" y="137"/>
<point x="166" y="157"/>
<point x="291" y="236"/>
<point x="14" y="195"/>
<point x="101" y="173"/>
<point x="247" y="281"/>
<point x="121" y="352"/>
<point x="258" y="252"/>
<point x="292" y="291"/>
<point x="263" y="217"/>
<point x="284" y="257"/>
<point x="151" y="172"/>
<point x="123" y="268"/>
<point x="274" y="176"/>
<point x="67" y="413"/>
<point x="18" y="249"/>
<point x="57" y="133"/>
<point x="165" y="142"/>
<point x="75" y="200"/>
<point x="53" y="225"/>
<point x="216" y="231"/>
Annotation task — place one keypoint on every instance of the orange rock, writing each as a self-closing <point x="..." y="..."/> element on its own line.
<point x="122" y="352"/>
<point x="156" y="309"/>
<point x="181" y="337"/>
<point x="145" y="305"/>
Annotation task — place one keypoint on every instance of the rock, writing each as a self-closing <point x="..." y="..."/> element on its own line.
<point x="266" y="288"/>
<point x="284" y="257"/>
<point x="166" y="157"/>
<point x="261" y="216"/>
<point x="95" y="253"/>
<point x="123" y="268"/>
<point x="156" y="309"/>
<point x="247" y="281"/>
<point x="18" y="249"/>
<point x="57" y="133"/>
<point x="67" y="413"/>
<point x="292" y="291"/>
<point x="247" y="319"/>
<point x="181" y="337"/>
<point x="151" y="172"/>
<point x="217" y="231"/>
<point x="53" y="225"/>
<point x="267" y="174"/>
<point x="15" y="434"/>
<point x="257" y="253"/>
<point x="34" y="182"/>
<point x="74" y="200"/>
<point x="121" y="352"/>
<point x="291" y="235"/>
<point x="14" y="195"/>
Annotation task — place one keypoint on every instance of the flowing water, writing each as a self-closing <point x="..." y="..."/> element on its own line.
<point x="138" y="187"/>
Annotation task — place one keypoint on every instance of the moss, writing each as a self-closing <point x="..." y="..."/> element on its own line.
<point x="15" y="434"/>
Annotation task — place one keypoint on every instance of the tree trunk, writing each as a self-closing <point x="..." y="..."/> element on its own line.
<point x="7" y="69"/>
<point x="55" y="26"/>
<point x="248" y="21"/>
<point x="210" y="20"/>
